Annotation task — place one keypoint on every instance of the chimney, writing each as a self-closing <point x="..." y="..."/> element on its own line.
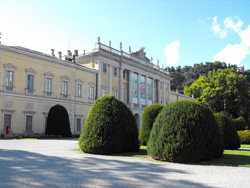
<point x="76" y="53"/>
<point x="74" y="59"/>
<point x="60" y="55"/>
<point x="83" y="52"/>
<point x="52" y="52"/>
<point x="69" y="53"/>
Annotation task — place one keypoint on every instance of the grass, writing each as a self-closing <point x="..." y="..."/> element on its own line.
<point x="240" y="157"/>
<point x="245" y="146"/>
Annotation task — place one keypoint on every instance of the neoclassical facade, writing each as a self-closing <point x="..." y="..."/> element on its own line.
<point x="32" y="82"/>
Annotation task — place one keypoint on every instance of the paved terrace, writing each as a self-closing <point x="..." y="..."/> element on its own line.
<point x="54" y="163"/>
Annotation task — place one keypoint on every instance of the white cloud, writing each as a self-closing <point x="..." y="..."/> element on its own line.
<point x="172" y="54"/>
<point x="245" y="37"/>
<point x="217" y="29"/>
<point x="234" y="23"/>
<point x="229" y="24"/>
<point x="232" y="54"/>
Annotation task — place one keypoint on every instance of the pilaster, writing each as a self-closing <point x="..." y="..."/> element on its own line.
<point x="159" y="92"/>
<point x="110" y="79"/>
<point x="121" y="84"/>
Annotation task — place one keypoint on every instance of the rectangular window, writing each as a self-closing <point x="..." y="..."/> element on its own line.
<point x="29" y="123"/>
<point x="30" y="84"/>
<point x="79" y="90"/>
<point x="124" y="97"/>
<point x="9" y="78"/>
<point x="124" y="74"/>
<point x="48" y="85"/>
<point x="78" y="124"/>
<point x="7" y="121"/>
<point x="115" y="72"/>
<point x="104" y="92"/>
<point x="115" y="94"/>
<point x="91" y="92"/>
<point x="104" y="68"/>
<point x="65" y="88"/>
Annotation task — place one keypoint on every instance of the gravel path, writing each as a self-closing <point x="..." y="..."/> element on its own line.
<point x="54" y="163"/>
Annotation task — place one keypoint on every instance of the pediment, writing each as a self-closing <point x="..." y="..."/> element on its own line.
<point x="49" y="74"/>
<point x="64" y="77"/>
<point x="79" y="81"/>
<point x="30" y="70"/>
<point x="92" y="83"/>
<point x="10" y="66"/>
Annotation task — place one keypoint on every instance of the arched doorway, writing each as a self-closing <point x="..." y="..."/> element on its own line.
<point x="137" y="120"/>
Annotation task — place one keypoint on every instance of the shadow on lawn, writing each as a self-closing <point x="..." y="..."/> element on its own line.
<point x="28" y="169"/>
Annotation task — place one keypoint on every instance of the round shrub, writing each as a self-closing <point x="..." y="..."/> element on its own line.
<point x="239" y="123"/>
<point x="58" y="122"/>
<point x="148" y="117"/>
<point x="185" y="131"/>
<point x="109" y="128"/>
<point x="244" y="137"/>
<point x="228" y="132"/>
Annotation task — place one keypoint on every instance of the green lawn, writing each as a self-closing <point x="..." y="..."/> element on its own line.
<point x="245" y="146"/>
<point x="238" y="157"/>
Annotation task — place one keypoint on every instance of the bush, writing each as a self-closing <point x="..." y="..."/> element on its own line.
<point x="185" y="131"/>
<point x="228" y="132"/>
<point x="58" y="122"/>
<point x="148" y="117"/>
<point x="109" y="128"/>
<point x="239" y="123"/>
<point x="244" y="137"/>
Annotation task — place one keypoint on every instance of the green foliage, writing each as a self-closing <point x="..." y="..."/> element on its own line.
<point x="239" y="123"/>
<point x="228" y="132"/>
<point x="223" y="90"/>
<point x="185" y="131"/>
<point x="244" y="137"/>
<point x="109" y="128"/>
<point x="58" y="122"/>
<point x="148" y="118"/>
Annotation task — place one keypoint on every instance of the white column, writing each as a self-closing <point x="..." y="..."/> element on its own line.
<point x="138" y="89"/>
<point x="153" y="90"/>
<point x="159" y="92"/>
<point x="146" y="88"/>
<point x="121" y="84"/>
<point x="110" y="80"/>
<point x="130" y="89"/>
<point x="164" y="94"/>
<point x="99" y="80"/>
<point x="169" y="97"/>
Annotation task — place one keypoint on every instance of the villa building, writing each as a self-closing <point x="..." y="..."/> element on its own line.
<point x="32" y="82"/>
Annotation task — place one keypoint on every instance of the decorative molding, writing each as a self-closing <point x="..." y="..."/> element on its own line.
<point x="79" y="81"/>
<point x="49" y="74"/>
<point x="64" y="77"/>
<point x="91" y="83"/>
<point x="30" y="70"/>
<point x="8" y="111"/>
<point x="115" y="88"/>
<point x="104" y="86"/>
<point x="29" y="112"/>
<point x="10" y="66"/>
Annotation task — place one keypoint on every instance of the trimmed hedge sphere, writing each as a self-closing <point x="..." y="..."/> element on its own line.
<point x="58" y="122"/>
<point x="148" y="117"/>
<point x="228" y="132"/>
<point x="185" y="132"/>
<point x="109" y="128"/>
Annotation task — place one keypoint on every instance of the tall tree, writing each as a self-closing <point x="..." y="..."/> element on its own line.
<point x="223" y="90"/>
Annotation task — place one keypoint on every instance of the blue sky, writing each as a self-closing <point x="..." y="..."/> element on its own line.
<point x="177" y="32"/>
